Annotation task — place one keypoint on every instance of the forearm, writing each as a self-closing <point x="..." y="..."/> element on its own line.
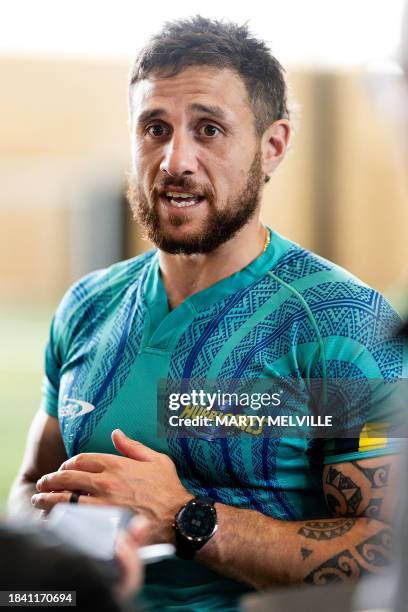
<point x="261" y="551"/>
<point x="19" y="505"/>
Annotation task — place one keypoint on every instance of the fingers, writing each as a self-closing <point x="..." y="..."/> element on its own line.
<point x="46" y="501"/>
<point x="132" y="448"/>
<point x="86" y="462"/>
<point x="68" y="480"/>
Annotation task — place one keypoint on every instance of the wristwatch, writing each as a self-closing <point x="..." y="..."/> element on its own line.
<point x="195" y="524"/>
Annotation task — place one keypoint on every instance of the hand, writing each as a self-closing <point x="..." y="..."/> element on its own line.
<point x="144" y="481"/>
<point x="126" y="546"/>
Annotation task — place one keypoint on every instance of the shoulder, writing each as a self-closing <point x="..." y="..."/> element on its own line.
<point x="93" y="294"/>
<point x="327" y="289"/>
<point x="300" y="264"/>
<point x="350" y="318"/>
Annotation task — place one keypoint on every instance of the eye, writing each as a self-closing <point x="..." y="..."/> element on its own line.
<point x="157" y="130"/>
<point x="209" y="130"/>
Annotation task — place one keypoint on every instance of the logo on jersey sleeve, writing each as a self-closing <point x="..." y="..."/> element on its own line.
<point x="73" y="408"/>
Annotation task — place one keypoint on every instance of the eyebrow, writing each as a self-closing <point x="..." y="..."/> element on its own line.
<point x="147" y="115"/>
<point x="214" y="111"/>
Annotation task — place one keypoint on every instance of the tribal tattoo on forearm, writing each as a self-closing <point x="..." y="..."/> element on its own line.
<point x="370" y="556"/>
<point x="327" y="529"/>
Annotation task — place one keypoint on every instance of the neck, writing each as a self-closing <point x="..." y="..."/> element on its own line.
<point x="184" y="275"/>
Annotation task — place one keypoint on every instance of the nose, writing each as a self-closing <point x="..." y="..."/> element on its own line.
<point x="179" y="156"/>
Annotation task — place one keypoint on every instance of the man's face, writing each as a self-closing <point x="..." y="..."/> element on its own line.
<point x="193" y="135"/>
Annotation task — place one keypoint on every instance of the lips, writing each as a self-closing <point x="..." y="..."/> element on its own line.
<point x="182" y="199"/>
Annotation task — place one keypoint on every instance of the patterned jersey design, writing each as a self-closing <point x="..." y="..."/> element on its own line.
<point x="301" y="317"/>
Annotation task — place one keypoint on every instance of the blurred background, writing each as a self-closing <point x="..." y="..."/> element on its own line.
<point x="341" y="192"/>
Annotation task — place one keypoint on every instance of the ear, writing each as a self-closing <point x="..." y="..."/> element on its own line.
<point x="274" y="144"/>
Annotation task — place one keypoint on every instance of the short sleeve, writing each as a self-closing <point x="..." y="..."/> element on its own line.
<point x="379" y="417"/>
<point x="50" y="385"/>
<point x="62" y="329"/>
<point x="363" y="447"/>
<point x="366" y="371"/>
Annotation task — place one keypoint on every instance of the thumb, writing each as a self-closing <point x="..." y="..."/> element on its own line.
<point x="131" y="448"/>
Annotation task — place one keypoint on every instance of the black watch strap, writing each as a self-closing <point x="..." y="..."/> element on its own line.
<point x="206" y="500"/>
<point x="186" y="548"/>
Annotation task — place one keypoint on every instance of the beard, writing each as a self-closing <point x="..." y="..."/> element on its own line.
<point x="219" y="226"/>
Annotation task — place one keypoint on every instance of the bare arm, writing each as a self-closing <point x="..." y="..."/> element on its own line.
<point x="44" y="453"/>
<point x="261" y="551"/>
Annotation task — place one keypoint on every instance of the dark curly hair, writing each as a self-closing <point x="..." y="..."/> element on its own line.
<point x="199" y="41"/>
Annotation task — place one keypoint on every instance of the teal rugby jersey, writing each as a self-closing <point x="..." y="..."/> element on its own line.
<point x="288" y="313"/>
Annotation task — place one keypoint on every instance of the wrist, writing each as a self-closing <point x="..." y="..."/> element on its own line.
<point x="173" y="509"/>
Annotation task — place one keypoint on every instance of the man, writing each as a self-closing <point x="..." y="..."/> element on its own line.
<point x="222" y="298"/>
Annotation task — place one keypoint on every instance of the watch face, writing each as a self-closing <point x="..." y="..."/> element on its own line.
<point x="197" y="520"/>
